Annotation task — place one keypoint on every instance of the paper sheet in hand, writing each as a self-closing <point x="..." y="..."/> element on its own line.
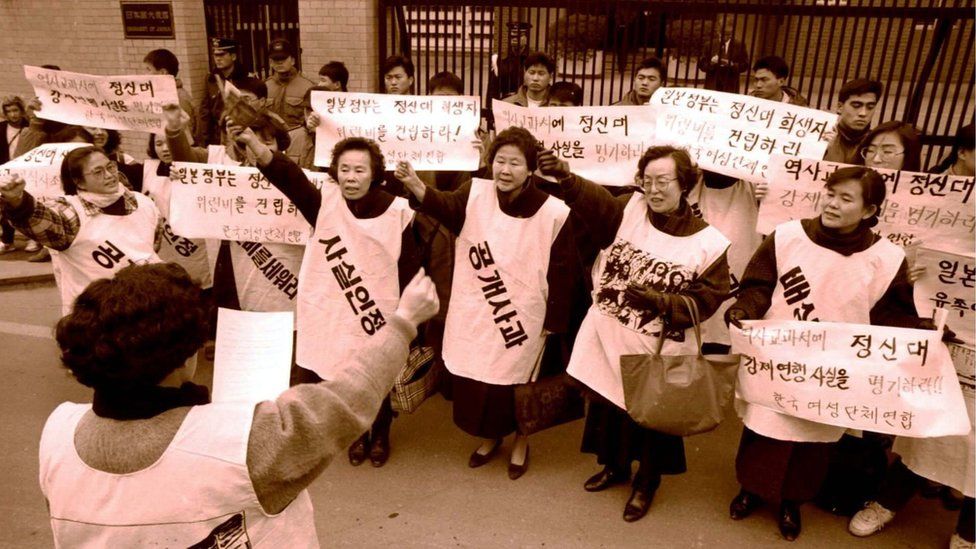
<point x="41" y="168"/>
<point x="253" y="356"/>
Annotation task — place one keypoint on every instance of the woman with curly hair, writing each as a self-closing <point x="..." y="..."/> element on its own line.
<point x="852" y="275"/>
<point x="151" y="461"/>
<point x="512" y="286"/>
<point x="363" y="251"/>
<point x="652" y="251"/>
<point x="97" y="228"/>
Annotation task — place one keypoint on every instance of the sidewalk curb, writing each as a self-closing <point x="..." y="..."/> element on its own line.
<point x="29" y="280"/>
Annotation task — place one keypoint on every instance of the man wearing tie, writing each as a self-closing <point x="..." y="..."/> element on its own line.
<point x="724" y="59"/>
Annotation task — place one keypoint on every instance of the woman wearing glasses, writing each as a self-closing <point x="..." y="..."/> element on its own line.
<point x="894" y="145"/>
<point x="653" y="249"/>
<point x="97" y="228"/>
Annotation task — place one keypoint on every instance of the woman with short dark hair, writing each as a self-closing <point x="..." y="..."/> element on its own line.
<point x="99" y="227"/>
<point x="653" y="252"/>
<point x="360" y="257"/>
<point x="854" y="276"/>
<point x="512" y="286"/>
<point x="151" y="459"/>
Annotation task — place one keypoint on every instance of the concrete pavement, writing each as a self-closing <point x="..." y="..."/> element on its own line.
<point x="426" y="496"/>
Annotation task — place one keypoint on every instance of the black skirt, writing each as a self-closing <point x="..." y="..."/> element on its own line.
<point x="483" y="409"/>
<point x="781" y="470"/>
<point x="617" y="440"/>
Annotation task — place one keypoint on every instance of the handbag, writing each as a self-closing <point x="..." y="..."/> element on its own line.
<point x="679" y="395"/>
<point x="416" y="381"/>
<point x="546" y="403"/>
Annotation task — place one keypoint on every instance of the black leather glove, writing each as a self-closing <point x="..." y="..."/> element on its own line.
<point x="734" y="316"/>
<point x="552" y="165"/>
<point x="647" y="299"/>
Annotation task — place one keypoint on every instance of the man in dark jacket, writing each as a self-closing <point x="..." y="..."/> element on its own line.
<point x="651" y="74"/>
<point x="224" y="52"/>
<point x="769" y="76"/>
<point x="724" y="59"/>
<point x="856" y="103"/>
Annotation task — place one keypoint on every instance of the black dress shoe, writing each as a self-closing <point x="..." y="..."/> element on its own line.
<point x="789" y="520"/>
<point x="604" y="479"/>
<point x="515" y="471"/>
<point x="639" y="503"/>
<point x="379" y="450"/>
<point x="743" y="505"/>
<point x="357" y="452"/>
<point x="477" y="459"/>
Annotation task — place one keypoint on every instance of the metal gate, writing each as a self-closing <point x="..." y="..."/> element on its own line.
<point x="922" y="50"/>
<point x="253" y="23"/>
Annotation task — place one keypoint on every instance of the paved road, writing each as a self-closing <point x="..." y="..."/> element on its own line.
<point x="426" y="496"/>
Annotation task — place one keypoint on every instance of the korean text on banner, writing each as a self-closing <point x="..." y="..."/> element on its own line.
<point x="602" y="144"/>
<point x="232" y="203"/>
<point x="430" y="132"/>
<point x="41" y="168"/>
<point x="948" y="283"/>
<point x="735" y="134"/>
<point x="897" y="381"/>
<point x="125" y="102"/>
<point x="934" y="210"/>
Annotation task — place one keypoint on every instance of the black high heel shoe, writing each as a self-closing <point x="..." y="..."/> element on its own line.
<point x="478" y="459"/>
<point x="789" y="520"/>
<point x="515" y="470"/>
<point x="357" y="452"/>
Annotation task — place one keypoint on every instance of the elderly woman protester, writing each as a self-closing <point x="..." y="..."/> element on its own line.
<point x="239" y="282"/>
<point x="362" y="234"/>
<point x="854" y="276"/>
<point x="509" y="289"/>
<point x="96" y="229"/>
<point x="653" y="251"/>
<point x="151" y="461"/>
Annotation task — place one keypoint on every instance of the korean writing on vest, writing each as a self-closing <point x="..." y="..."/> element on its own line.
<point x="370" y="317"/>
<point x="272" y="268"/>
<point x="795" y="290"/>
<point x="502" y="311"/>
<point x="108" y="255"/>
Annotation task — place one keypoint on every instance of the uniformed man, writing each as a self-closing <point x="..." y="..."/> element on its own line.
<point x="286" y="86"/>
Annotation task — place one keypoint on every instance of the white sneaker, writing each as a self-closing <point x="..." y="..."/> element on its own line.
<point x="956" y="542"/>
<point x="870" y="520"/>
<point x="7" y="248"/>
<point x="32" y="247"/>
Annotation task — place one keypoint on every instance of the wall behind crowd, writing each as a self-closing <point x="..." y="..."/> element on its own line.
<point x="86" y="36"/>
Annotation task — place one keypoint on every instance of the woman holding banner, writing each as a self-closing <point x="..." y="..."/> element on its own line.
<point x="239" y="282"/>
<point x="361" y="255"/>
<point x="830" y="268"/>
<point x="97" y="228"/>
<point x="513" y="251"/>
<point x="653" y="252"/>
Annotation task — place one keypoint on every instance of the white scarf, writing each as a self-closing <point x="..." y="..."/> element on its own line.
<point x="102" y="200"/>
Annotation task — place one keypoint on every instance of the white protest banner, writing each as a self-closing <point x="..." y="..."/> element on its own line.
<point x="930" y="209"/>
<point x="734" y="134"/>
<point x="41" y="168"/>
<point x="948" y="283"/>
<point x="963" y="358"/>
<point x="602" y="144"/>
<point x="124" y="102"/>
<point x="232" y="203"/>
<point x="431" y="132"/>
<point x="897" y="381"/>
